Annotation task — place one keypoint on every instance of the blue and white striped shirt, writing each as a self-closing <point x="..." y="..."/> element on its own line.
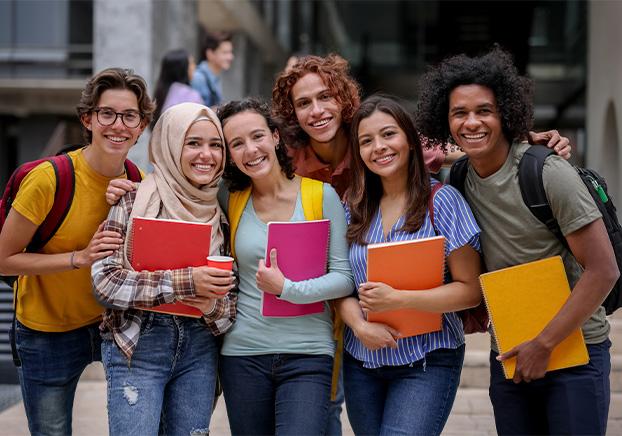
<point x="454" y="220"/>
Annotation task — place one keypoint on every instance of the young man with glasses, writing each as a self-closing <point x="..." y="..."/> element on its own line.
<point x="56" y="331"/>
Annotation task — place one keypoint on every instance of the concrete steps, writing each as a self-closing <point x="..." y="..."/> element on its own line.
<point x="475" y="373"/>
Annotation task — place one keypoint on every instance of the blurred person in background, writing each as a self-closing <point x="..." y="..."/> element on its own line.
<point x="173" y="86"/>
<point x="217" y="48"/>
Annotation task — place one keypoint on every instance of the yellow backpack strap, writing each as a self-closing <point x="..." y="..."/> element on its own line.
<point x="312" y="192"/>
<point x="237" y="203"/>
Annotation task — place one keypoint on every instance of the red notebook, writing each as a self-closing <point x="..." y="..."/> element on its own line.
<point x="302" y="253"/>
<point x="161" y="244"/>
<point x="408" y="265"/>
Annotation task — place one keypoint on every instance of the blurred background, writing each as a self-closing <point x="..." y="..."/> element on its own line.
<point x="48" y="49"/>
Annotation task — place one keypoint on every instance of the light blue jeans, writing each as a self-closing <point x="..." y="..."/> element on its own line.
<point x="405" y="400"/>
<point x="168" y="386"/>
<point x="51" y="367"/>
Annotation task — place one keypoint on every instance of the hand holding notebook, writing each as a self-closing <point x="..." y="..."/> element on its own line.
<point x="270" y="279"/>
<point x="378" y="297"/>
<point x="521" y="301"/>
<point x="302" y="249"/>
<point x="406" y="265"/>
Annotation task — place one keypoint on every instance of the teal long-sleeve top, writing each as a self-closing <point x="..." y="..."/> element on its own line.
<point x="253" y="334"/>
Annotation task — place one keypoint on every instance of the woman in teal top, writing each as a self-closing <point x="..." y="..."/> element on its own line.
<point x="275" y="372"/>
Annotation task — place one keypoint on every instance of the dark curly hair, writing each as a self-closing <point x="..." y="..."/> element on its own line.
<point x="235" y="179"/>
<point x="366" y="191"/>
<point x="494" y="70"/>
<point x="334" y="71"/>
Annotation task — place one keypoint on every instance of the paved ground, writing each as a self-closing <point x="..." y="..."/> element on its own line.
<point x="471" y="415"/>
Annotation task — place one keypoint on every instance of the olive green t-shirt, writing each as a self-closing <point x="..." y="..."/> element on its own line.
<point x="512" y="235"/>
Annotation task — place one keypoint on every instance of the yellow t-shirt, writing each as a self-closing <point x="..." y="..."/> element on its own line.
<point x="64" y="301"/>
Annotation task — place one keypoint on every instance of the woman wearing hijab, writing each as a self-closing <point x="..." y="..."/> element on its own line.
<point x="160" y="368"/>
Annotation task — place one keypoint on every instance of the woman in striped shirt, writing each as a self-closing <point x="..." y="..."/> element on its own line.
<point x="396" y="385"/>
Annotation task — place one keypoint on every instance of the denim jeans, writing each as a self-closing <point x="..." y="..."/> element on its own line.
<point x="567" y="401"/>
<point x="277" y="394"/>
<point x="51" y="367"/>
<point x="168" y="385"/>
<point x="411" y="399"/>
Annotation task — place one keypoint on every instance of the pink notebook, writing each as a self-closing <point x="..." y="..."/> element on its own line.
<point x="161" y="244"/>
<point x="302" y="253"/>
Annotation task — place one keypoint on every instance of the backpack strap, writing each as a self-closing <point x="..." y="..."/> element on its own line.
<point x="63" y="197"/>
<point x="237" y="202"/>
<point x="311" y="193"/>
<point x="458" y="173"/>
<point x="212" y="92"/>
<point x="132" y="171"/>
<point x="531" y="185"/>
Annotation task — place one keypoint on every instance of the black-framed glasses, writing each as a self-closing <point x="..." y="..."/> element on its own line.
<point x="107" y="117"/>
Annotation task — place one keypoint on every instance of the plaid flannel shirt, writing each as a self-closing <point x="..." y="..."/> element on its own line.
<point x="125" y="291"/>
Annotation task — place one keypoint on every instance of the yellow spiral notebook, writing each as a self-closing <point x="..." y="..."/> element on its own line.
<point x="521" y="300"/>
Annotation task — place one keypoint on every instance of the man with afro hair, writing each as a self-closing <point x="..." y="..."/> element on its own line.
<point x="486" y="108"/>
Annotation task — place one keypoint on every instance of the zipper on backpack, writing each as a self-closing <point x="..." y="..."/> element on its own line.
<point x="599" y="190"/>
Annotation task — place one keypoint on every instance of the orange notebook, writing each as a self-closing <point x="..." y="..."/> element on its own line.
<point x="161" y="244"/>
<point x="521" y="300"/>
<point x="408" y="265"/>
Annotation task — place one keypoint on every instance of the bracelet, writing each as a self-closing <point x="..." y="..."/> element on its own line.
<point x="73" y="254"/>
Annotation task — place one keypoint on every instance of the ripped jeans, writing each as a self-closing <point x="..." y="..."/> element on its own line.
<point x="168" y="387"/>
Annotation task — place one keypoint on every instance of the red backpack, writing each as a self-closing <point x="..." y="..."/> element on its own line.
<point x="63" y="197"/>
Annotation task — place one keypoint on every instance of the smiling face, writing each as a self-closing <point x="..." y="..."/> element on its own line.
<point x="383" y="146"/>
<point x="317" y="110"/>
<point x="115" y="139"/>
<point x="221" y="57"/>
<point x="251" y="144"/>
<point x="202" y="153"/>
<point x="475" y="123"/>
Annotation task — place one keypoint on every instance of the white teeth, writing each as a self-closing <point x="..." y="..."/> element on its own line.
<point x="116" y="138"/>
<point x="385" y="159"/>
<point x="321" y="123"/>
<point x="475" y="137"/>
<point x="255" y="162"/>
<point x="203" y="167"/>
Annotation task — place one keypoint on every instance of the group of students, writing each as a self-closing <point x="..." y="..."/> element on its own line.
<point x="277" y="373"/>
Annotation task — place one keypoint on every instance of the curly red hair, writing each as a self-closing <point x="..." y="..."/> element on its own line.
<point x="335" y="72"/>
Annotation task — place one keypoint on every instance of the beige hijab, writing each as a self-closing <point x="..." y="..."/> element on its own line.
<point x="167" y="193"/>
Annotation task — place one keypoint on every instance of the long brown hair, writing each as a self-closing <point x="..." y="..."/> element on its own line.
<point x="366" y="189"/>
